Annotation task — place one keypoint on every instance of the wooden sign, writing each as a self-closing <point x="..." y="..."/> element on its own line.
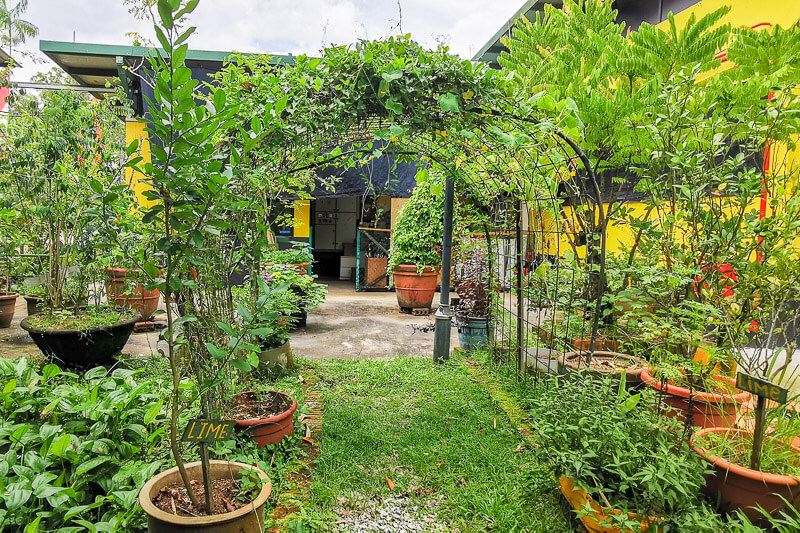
<point x="761" y="387"/>
<point x="199" y="430"/>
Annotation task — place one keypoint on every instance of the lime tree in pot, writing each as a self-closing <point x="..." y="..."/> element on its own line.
<point x="415" y="258"/>
<point x="191" y="192"/>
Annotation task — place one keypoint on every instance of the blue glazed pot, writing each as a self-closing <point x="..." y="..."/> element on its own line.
<point x="474" y="334"/>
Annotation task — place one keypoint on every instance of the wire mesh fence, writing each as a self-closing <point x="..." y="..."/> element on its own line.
<point x="372" y="249"/>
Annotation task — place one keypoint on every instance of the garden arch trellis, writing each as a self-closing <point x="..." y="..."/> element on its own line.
<point x="458" y="117"/>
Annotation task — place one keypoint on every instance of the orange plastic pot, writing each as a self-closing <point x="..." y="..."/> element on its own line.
<point x="8" y="303"/>
<point x="708" y="410"/>
<point x="593" y="521"/>
<point x="415" y="289"/>
<point x="273" y="429"/>
<point x="145" y="302"/>
<point x="736" y="487"/>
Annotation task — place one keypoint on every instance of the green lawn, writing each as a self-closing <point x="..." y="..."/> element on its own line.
<point x="440" y="439"/>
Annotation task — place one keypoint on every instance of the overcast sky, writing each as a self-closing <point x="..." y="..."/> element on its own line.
<point x="277" y="26"/>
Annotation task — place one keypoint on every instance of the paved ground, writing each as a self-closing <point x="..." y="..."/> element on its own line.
<point x="352" y="325"/>
<point x="348" y="325"/>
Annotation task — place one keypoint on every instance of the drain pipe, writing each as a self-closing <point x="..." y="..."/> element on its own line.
<point x="441" y="338"/>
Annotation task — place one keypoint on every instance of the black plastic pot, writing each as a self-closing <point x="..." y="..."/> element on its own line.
<point x="82" y="348"/>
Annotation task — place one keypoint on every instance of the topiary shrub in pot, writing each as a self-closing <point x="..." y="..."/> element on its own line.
<point x="415" y="257"/>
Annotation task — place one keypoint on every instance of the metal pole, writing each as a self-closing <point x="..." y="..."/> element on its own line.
<point x="358" y="258"/>
<point x="520" y="303"/>
<point x="441" y="340"/>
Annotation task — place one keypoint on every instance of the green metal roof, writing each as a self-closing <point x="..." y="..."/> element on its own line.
<point x="92" y="65"/>
<point x="491" y="50"/>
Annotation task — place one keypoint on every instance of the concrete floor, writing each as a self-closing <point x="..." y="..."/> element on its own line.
<point x="348" y="325"/>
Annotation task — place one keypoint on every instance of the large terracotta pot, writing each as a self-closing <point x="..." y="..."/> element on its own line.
<point x="737" y="487"/>
<point x="578" y="499"/>
<point x="248" y="519"/>
<point x="82" y="348"/>
<point x="8" y="303"/>
<point x="604" y="364"/>
<point x="709" y="410"/>
<point x="273" y="429"/>
<point x="415" y="290"/>
<point x="145" y="302"/>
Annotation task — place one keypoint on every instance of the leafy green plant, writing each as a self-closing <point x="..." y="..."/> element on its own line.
<point x="417" y="234"/>
<point x="61" y="148"/>
<point x="297" y="254"/>
<point x="91" y="317"/>
<point x="75" y="450"/>
<point x="309" y="294"/>
<point x="605" y="439"/>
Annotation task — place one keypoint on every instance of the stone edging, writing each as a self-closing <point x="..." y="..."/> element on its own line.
<point x="297" y="480"/>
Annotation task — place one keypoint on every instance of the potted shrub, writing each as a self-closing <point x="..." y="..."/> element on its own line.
<point x="602" y="446"/>
<point x="194" y="178"/>
<point x="308" y="294"/>
<point x="62" y="148"/>
<point x="756" y="466"/>
<point x="10" y="240"/>
<point x="298" y="256"/>
<point x="414" y="258"/>
<point x="471" y="314"/>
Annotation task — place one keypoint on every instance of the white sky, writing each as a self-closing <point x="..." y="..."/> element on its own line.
<point x="277" y="26"/>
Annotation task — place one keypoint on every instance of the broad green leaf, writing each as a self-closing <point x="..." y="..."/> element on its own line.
<point x="153" y="412"/>
<point x="60" y="445"/>
<point x="449" y="103"/>
<point x="239" y="364"/>
<point x="90" y="464"/>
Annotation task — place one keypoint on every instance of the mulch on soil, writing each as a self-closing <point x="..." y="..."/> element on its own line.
<point x="258" y="405"/>
<point x="226" y="494"/>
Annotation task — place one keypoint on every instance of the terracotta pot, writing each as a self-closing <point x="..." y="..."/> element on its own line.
<point x="145" y="302"/>
<point x="737" y="487"/>
<point x="300" y="268"/>
<point x="572" y="362"/>
<point x="8" y="303"/>
<point x="273" y="429"/>
<point x="579" y="498"/>
<point x="414" y="290"/>
<point x="82" y="348"/>
<point x="582" y="344"/>
<point x="248" y="519"/>
<point x="708" y="409"/>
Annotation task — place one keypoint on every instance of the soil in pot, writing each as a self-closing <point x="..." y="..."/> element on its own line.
<point x="228" y="496"/>
<point x="708" y="409"/>
<point x="8" y="303"/>
<point x="269" y="416"/>
<point x="245" y="518"/>
<point x="737" y="487"/>
<point x="604" y="364"/>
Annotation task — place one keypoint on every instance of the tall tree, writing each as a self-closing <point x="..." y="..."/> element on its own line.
<point x="16" y="30"/>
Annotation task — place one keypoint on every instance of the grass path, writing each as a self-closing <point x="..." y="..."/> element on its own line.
<point x="404" y="428"/>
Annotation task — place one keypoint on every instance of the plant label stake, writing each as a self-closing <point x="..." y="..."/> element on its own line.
<point x="763" y="389"/>
<point x="208" y="430"/>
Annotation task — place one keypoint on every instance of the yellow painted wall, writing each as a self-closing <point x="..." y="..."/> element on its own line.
<point x="302" y="218"/>
<point x="135" y="130"/>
